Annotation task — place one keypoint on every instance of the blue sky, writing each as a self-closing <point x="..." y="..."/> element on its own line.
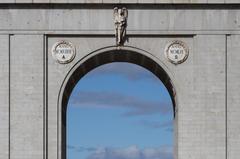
<point x="119" y="111"/>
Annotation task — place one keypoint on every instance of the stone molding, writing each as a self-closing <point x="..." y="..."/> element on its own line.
<point x="122" y="1"/>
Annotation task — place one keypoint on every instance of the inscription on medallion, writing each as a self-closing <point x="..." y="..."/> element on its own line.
<point x="176" y="52"/>
<point x="63" y="52"/>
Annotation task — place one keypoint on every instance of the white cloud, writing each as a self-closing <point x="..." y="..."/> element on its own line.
<point x="167" y="125"/>
<point x="80" y="148"/>
<point x="132" y="152"/>
<point x="135" y="106"/>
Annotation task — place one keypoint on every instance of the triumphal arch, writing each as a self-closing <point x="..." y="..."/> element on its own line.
<point x="192" y="46"/>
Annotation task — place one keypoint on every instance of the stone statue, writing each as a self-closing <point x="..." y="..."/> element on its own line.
<point x="120" y="21"/>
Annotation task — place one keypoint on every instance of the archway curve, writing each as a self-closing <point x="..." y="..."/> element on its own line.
<point x="101" y="57"/>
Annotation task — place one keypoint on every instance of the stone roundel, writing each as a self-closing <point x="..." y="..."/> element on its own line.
<point x="63" y="52"/>
<point x="176" y="52"/>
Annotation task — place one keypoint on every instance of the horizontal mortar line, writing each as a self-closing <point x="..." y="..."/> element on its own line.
<point x="142" y="6"/>
<point x="129" y="32"/>
<point x="142" y="30"/>
<point x="112" y="30"/>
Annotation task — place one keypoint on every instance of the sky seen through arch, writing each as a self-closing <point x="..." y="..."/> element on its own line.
<point x="120" y="111"/>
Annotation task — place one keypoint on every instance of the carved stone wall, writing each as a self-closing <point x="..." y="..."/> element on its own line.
<point x="206" y="84"/>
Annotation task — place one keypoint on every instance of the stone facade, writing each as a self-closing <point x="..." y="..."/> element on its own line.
<point x="206" y="86"/>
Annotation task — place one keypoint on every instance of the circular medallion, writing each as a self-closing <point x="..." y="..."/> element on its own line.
<point x="176" y="52"/>
<point x="63" y="52"/>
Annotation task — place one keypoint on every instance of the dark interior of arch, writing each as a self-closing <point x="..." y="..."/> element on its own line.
<point x="109" y="57"/>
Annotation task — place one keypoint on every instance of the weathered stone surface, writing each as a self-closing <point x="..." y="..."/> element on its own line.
<point x="26" y="97"/>
<point x="23" y="1"/>
<point x="89" y="20"/>
<point x="7" y="1"/>
<point x="201" y="125"/>
<point x="233" y="100"/>
<point x="41" y="1"/>
<point x="4" y="96"/>
<point x="206" y="84"/>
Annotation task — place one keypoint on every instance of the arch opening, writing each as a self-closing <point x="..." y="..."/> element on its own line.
<point x="105" y="57"/>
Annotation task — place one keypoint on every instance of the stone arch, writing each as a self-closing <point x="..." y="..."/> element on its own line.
<point x="101" y="57"/>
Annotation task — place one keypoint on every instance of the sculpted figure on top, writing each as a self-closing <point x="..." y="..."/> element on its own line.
<point x="120" y="21"/>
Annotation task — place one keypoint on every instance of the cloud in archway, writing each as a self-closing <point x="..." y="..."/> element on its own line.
<point x="81" y="148"/>
<point x="132" y="152"/>
<point x="134" y="106"/>
<point x="166" y="125"/>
